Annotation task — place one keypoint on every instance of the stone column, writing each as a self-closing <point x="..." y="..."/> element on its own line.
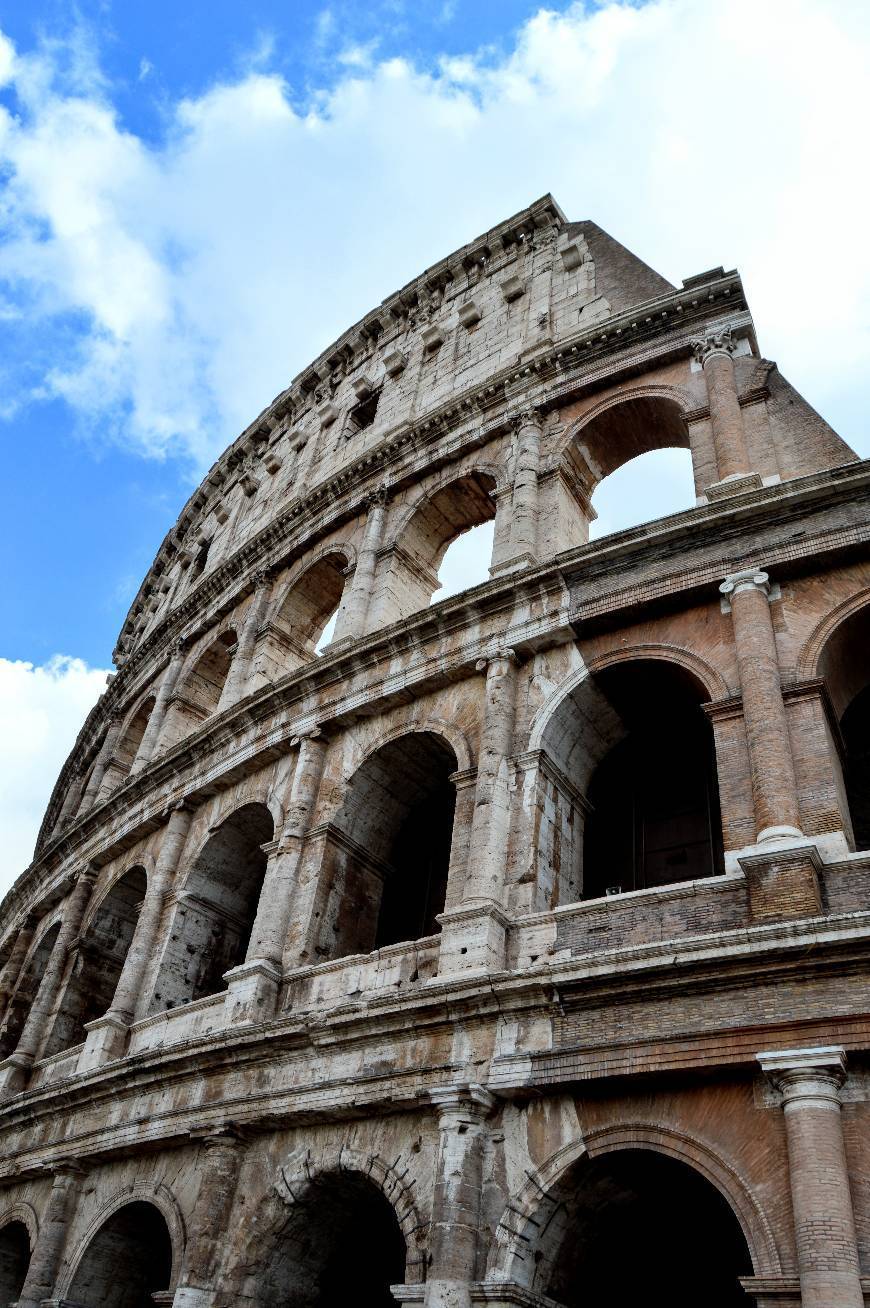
<point x="71" y="801"/>
<point x="715" y="354"/>
<point x="473" y="934"/>
<point x="208" y="1232"/>
<point x="524" y="523"/>
<point x="14" y="1070"/>
<point x="774" y="790"/>
<point x="809" y="1081"/>
<point x="104" y="758"/>
<point x="354" y="613"/>
<point x="148" y="744"/>
<point x="236" y="683"/>
<point x="51" y="1240"/>
<point x="456" y="1200"/>
<point x="253" y="987"/>
<point x="11" y="973"/>
<point x="107" y="1035"/>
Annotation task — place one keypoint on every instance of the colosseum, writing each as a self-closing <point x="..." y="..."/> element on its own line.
<point x="505" y="950"/>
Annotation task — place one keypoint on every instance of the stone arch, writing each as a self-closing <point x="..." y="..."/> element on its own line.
<point x="453" y="735"/>
<point x="158" y="1197"/>
<point x="215" y="907"/>
<point x="98" y="960"/>
<point x="619" y="429"/>
<point x="24" y="1213"/>
<point x="199" y="687"/>
<point x="27" y="985"/>
<point x="145" y="862"/>
<point x="18" y="1231"/>
<point x="386" y="841"/>
<point x="612" y="790"/>
<point x="131" y="734"/>
<point x="311" y="594"/>
<point x="676" y="395"/>
<point x="419" y="538"/>
<point x="836" y="652"/>
<point x="299" y="1175"/>
<point x="301" y="1184"/>
<point x="530" y="1221"/>
<point x="230" y="801"/>
<point x="809" y="658"/>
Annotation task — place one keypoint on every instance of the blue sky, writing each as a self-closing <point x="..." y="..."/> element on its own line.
<point x="196" y="198"/>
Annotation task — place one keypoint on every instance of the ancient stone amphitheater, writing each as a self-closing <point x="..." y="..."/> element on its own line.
<point x="510" y="950"/>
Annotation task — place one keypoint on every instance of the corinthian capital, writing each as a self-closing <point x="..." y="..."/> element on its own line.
<point x="719" y="342"/>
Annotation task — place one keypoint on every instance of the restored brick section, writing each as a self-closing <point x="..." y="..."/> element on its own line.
<point x="335" y="1004"/>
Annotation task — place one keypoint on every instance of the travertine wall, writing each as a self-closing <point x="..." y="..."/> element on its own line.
<point x="259" y="980"/>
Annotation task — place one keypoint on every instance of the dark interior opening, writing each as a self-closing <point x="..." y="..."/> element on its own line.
<point x="362" y="415"/>
<point x="642" y="1228"/>
<point x="128" y="1261"/>
<point x="654" y="798"/>
<point x="26" y="991"/>
<point x="14" y="1260"/>
<point x="213" y="924"/>
<point x="389" y="851"/>
<point x="343" y="1245"/>
<point x="855" y="727"/>
<point x="415" y="890"/>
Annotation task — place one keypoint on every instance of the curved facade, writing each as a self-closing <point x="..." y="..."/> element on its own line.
<point x="504" y="950"/>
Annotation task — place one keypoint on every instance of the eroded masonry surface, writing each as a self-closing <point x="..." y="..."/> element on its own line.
<point x="506" y="950"/>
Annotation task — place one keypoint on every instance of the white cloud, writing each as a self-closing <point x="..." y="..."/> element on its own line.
<point x="41" y="713"/>
<point x="212" y="267"/>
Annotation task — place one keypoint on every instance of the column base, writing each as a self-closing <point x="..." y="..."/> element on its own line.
<point x="736" y="484"/>
<point x="252" y="996"/>
<point x="437" y="1293"/>
<point x="14" y="1075"/>
<point x="188" y="1296"/>
<point x="473" y="940"/>
<point x="773" y="1291"/>
<point x="783" y="882"/>
<point x="514" y="564"/>
<point x="106" y="1042"/>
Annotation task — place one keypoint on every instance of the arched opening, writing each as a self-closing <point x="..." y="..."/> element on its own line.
<point x="342" y="1244"/>
<point x="299" y="631"/>
<point x="199" y="694"/>
<point x="131" y="739"/>
<point x="637" y="1226"/>
<point x="632" y="796"/>
<point x="845" y="665"/>
<point x="99" y="959"/>
<point x="618" y="436"/>
<point x="466" y="562"/>
<point x="388" y="849"/>
<point x="412" y="576"/>
<point x="127" y="1263"/>
<point x="652" y="485"/>
<point x="216" y="908"/>
<point x="14" y="1260"/>
<point x="26" y="989"/>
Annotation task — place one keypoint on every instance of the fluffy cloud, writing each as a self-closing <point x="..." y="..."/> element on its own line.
<point x="41" y="712"/>
<point x="200" y="272"/>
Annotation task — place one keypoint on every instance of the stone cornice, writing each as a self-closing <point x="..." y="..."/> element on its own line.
<point x="729" y="957"/>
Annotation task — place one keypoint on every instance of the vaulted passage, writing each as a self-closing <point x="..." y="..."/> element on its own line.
<point x="342" y="1245"/>
<point x="14" y="1260"/>
<point x="215" y="913"/>
<point x="97" y="963"/>
<point x="627" y="790"/>
<point x="846" y="668"/>
<point x="638" y="1227"/>
<point x="26" y="989"/>
<point x="654" y="801"/>
<point x="307" y="609"/>
<point x="389" y="848"/>
<point x="128" y="1261"/>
